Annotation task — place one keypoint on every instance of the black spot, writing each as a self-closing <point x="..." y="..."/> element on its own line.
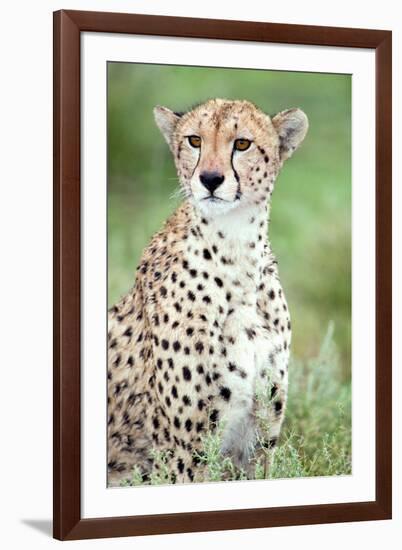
<point x="278" y="406"/>
<point x="206" y="299"/>
<point x="193" y="272"/>
<point x="251" y="334"/>
<point x="201" y="404"/>
<point x="213" y="417"/>
<point x="165" y="344"/>
<point x="186" y="373"/>
<point x="155" y="422"/>
<point x="218" y="281"/>
<point x="174" y="392"/>
<point x="186" y="400"/>
<point x="176" y="422"/>
<point x="117" y="466"/>
<point x="189" y="331"/>
<point x="206" y="253"/>
<point x="274" y="390"/>
<point x="128" y="332"/>
<point x="176" y="346"/>
<point x="199" y="346"/>
<point x="191" y="295"/>
<point x="271" y="295"/>
<point x="188" y="424"/>
<point x="225" y="393"/>
<point x="180" y="465"/>
<point x="190" y="474"/>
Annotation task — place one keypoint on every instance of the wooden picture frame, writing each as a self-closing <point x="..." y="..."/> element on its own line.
<point x="68" y="26"/>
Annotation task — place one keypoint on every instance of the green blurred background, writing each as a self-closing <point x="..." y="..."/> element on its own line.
<point x="310" y="229"/>
<point x="311" y="212"/>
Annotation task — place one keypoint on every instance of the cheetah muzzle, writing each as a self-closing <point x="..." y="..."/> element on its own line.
<point x="201" y="342"/>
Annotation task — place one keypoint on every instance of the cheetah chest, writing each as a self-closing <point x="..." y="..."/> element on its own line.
<point x="231" y="267"/>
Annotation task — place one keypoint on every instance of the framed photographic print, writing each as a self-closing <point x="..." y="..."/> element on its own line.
<point x="222" y="231"/>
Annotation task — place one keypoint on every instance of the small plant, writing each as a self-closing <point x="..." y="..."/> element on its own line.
<point x="135" y="479"/>
<point x="218" y="467"/>
<point x="160" y="473"/>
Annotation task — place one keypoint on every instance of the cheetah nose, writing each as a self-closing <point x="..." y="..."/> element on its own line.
<point x="211" y="180"/>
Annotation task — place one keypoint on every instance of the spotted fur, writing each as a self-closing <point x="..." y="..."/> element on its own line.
<point x="206" y="323"/>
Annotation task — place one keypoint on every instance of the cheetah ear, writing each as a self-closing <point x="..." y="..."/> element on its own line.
<point x="166" y="120"/>
<point x="291" y="127"/>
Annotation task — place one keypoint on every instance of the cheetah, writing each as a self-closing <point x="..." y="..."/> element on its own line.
<point x="206" y="325"/>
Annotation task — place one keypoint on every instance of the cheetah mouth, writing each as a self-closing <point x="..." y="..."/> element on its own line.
<point x="213" y="198"/>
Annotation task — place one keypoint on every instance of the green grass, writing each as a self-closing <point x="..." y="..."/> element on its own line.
<point x="310" y="228"/>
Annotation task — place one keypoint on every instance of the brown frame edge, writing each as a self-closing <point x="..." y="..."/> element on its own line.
<point x="68" y="524"/>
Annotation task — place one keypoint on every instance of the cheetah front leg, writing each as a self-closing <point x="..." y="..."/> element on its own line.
<point x="239" y="427"/>
<point x="272" y="363"/>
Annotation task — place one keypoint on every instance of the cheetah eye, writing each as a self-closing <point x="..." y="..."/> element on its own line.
<point x="242" y="144"/>
<point x="194" y="141"/>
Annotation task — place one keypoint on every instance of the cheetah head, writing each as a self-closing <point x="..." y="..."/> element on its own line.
<point x="228" y="153"/>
